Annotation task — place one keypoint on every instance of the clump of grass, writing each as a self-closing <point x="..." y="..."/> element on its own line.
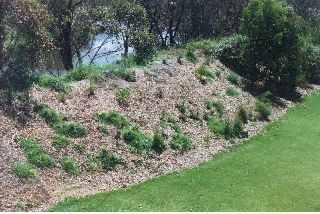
<point x="123" y="96"/>
<point x="232" y="92"/>
<point x="180" y="59"/>
<point x="35" y="153"/>
<point x="216" y="126"/>
<point x="137" y="140"/>
<point x="92" y="89"/>
<point x="50" y="115"/>
<point x="181" y="106"/>
<point x="160" y="93"/>
<point x="25" y="170"/>
<point x="60" y="141"/>
<point x="124" y="73"/>
<point x="104" y="129"/>
<point x="169" y="120"/>
<point x="53" y="83"/>
<point x="80" y="148"/>
<point x="242" y="115"/>
<point x="237" y="127"/>
<point x="108" y="160"/>
<point x="62" y="97"/>
<point x="113" y="118"/>
<point x="92" y="163"/>
<point x="194" y="115"/>
<point x="204" y="74"/>
<point x="218" y="73"/>
<point x="53" y="118"/>
<point x="181" y="142"/>
<point x="264" y="110"/>
<point x="234" y="79"/>
<point x="215" y="105"/>
<point x="72" y="130"/>
<point x="70" y="166"/>
<point x="191" y="56"/>
<point x="158" y="144"/>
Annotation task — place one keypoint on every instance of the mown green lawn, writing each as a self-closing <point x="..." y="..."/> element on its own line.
<point x="275" y="171"/>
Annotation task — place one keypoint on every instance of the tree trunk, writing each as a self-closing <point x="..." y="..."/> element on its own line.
<point x="126" y="45"/>
<point x="2" y="36"/>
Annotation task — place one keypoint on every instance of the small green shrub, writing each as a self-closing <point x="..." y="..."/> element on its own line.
<point x="92" y="89"/>
<point x="228" y="131"/>
<point x="70" y="166"/>
<point x="191" y="56"/>
<point x="265" y="97"/>
<point x="62" y="97"/>
<point x="108" y="160"/>
<point x="181" y="106"/>
<point x="123" y="96"/>
<point x="50" y="115"/>
<point x="92" y="163"/>
<point x="52" y="83"/>
<point x="181" y="142"/>
<point x="35" y="153"/>
<point x="104" y="129"/>
<point x="180" y="59"/>
<point x="25" y="170"/>
<point x="234" y="79"/>
<point x="138" y="140"/>
<point x="158" y="144"/>
<point x="216" y="105"/>
<point x="242" y="115"/>
<point x="232" y="92"/>
<point x="72" y="130"/>
<point x="216" y="126"/>
<point x="218" y="73"/>
<point x="204" y="74"/>
<point x="60" y="141"/>
<point x="80" y="148"/>
<point x="194" y="115"/>
<point x="124" y="73"/>
<point x="113" y="118"/>
<point x="237" y="127"/>
<point x="160" y="93"/>
<point x="78" y="73"/>
<point x="264" y="110"/>
<point x="168" y="120"/>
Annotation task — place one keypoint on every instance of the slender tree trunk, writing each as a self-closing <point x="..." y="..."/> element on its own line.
<point x="2" y="36"/>
<point x="126" y="45"/>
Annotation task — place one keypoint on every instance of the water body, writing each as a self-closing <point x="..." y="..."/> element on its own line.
<point x="102" y="44"/>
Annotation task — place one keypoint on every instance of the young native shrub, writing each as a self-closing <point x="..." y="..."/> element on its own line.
<point x="237" y="127"/>
<point x="191" y="56"/>
<point x="51" y="116"/>
<point x="216" y="126"/>
<point x="113" y="118"/>
<point x="80" y="148"/>
<point x="216" y="105"/>
<point x="70" y="166"/>
<point x="35" y="153"/>
<point x="92" y="89"/>
<point x="194" y="115"/>
<point x="228" y="131"/>
<point x="232" y="92"/>
<point x="124" y="73"/>
<point x="108" y="160"/>
<point x="234" y="79"/>
<point x="104" y="129"/>
<point x="62" y="97"/>
<point x="264" y="110"/>
<point x="181" y="106"/>
<point x="242" y="115"/>
<point x="137" y="140"/>
<point x="52" y="83"/>
<point x="92" y="163"/>
<point x="181" y="142"/>
<point x="123" y="96"/>
<point x="72" y="130"/>
<point x="79" y="73"/>
<point x="60" y="141"/>
<point x="273" y="30"/>
<point x="204" y="74"/>
<point x="160" y="93"/>
<point x="158" y="144"/>
<point x="25" y="170"/>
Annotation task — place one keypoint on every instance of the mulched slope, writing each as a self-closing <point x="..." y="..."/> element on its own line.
<point x="145" y="110"/>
